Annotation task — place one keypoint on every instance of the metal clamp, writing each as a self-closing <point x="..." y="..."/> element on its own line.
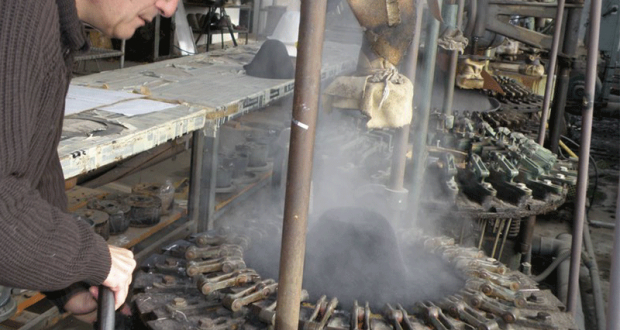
<point x="207" y="285"/>
<point x="259" y="291"/>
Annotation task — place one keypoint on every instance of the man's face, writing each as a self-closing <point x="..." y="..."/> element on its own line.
<point x="121" y="18"/>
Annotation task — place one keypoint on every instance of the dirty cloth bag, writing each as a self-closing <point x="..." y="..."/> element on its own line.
<point x="385" y="96"/>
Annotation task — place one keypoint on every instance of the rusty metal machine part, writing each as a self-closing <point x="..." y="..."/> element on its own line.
<point x="116" y="210"/>
<point x="164" y="191"/>
<point x="493" y="298"/>
<point x="98" y="220"/>
<point x="145" y="210"/>
<point x="516" y="96"/>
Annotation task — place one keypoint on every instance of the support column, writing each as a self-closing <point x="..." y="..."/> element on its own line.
<point x="569" y="50"/>
<point x="303" y="131"/>
<point x="421" y="127"/>
<point x="584" y="154"/>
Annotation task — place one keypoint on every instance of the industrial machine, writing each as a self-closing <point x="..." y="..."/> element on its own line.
<point x="421" y="207"/>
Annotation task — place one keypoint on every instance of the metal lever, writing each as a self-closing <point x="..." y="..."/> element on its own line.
<point x="105" y="312"/>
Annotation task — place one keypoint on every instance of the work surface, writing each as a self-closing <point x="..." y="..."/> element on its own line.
<point x="189" y="93"/>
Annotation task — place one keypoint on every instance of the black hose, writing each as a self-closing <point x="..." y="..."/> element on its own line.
<point x="595" y="173"/>
<point x="105" y="313"/>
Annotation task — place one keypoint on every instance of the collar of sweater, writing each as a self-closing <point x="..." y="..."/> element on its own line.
<point x="72" y="31"/>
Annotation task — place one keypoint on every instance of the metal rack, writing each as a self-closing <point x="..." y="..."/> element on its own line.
<point x="213" y="7"/>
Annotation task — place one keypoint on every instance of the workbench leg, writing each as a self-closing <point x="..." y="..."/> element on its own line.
<point x="156" y="40"/>
<point x="193" y="207"/>
<point x="208" y="175"/>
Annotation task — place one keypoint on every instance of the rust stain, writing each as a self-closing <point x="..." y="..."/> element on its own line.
<point x="230" y="109"/>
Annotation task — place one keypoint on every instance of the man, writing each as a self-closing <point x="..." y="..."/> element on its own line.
<point x="41" y="246"/>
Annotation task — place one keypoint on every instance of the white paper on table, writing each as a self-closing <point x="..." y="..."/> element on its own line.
<point x="137" y="107"/>
<point x="81" y="98"/>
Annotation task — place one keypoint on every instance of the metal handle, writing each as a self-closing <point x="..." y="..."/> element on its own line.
<point x="105" y="313"/>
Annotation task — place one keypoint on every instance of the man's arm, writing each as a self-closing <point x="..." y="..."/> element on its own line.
<point x="41" y="247"/>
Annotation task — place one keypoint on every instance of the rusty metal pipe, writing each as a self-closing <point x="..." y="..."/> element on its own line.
<point x="399" y="154"/>
<point x="526" y="238"/>
<point x="584" y="154"/>
<point x="454" y="56"/>
<point x="303" y="131"/>
<point x="413" y="52"/>
<point x="399" y="158"/>
<point x="553" y="56"/>
<point x="569" y="49"/>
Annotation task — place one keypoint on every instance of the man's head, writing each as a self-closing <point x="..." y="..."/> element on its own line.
<point x="121" y="18"/>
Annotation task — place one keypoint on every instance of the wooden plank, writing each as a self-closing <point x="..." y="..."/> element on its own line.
<point x="79" y="196"/>
<point x="134" y="235"/>
<point x="27" y="299"/>
<point x="225" y="202"/>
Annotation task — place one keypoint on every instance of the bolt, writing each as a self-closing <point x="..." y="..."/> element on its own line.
<point x="509" y="317"/>
<point x="179" y="302"/>
<point x="543" y="316"/>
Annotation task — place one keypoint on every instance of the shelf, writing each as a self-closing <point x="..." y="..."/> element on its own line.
<point x="225" y="199"/>
<point x="135" y="235"/>
<point x="79" y="196"/>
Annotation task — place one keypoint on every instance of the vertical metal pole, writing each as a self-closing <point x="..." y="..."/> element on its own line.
<point x="584" y="154"/>
<point x="399" y="158"/>
<point x="506" y="230"/>
<point x="569" y="48"/>
<point x="412" y="54"/>
<point x="122" y="61"/>
<point x="208" y="177"/>
<point x="527" y="236"/>
<point x="553" y="56"/>
<point x="613" y="317"/>
<point x="452" y="17"/>
<point x="195" y="177"/>
<point x="156" y="39"/>
<point x="421" y="130"/>
<point x="303" y="130"/>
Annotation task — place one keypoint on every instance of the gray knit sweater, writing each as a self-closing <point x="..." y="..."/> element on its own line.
<point x="41" y="246"/>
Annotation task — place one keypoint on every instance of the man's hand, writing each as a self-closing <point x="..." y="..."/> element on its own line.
<point x="120" y="274"/>
<point x="83" y="306"/>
